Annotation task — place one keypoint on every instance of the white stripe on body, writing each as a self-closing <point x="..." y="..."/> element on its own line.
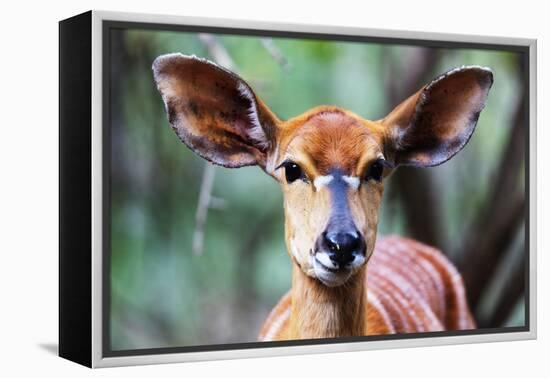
<point x="276" y="325"/>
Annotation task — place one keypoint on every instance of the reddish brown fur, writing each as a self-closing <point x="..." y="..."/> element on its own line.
<point x="331" y="137"/>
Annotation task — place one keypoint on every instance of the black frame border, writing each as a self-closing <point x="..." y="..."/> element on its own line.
<point x="108" y="25"/>
<point x="75" y="188"/>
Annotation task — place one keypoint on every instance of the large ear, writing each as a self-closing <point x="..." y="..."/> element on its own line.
<point x="435" y="123"/>
<point x="214" y="112"/>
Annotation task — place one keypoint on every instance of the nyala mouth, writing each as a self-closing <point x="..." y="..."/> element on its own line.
<point x="332" y="270"/>
<point x="335" y="269"/>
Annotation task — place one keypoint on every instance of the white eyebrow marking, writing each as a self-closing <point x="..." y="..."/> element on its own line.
<point x="352" y="181"/>
<point x="321" y="181"/>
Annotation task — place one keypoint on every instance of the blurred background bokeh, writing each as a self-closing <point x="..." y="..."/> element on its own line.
<point x="187" y="272"/>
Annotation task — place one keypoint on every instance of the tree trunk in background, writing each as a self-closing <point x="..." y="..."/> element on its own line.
<point x="511" y="293"/>
<point x="416" y="188"/>
<point x="419" y="196"/>
<point x="494" y="229"/>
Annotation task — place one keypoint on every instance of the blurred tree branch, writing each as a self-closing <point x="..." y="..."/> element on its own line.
<point x="206" y="201"/>
<point x="205" y="196"/>
<point x="512" y="291"/>
<point x="216" y="50"/>
<point x="276" y="54"/>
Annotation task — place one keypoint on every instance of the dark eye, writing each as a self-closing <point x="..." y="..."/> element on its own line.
<point x="375" y="171"/>
<point x="293" y="172"/>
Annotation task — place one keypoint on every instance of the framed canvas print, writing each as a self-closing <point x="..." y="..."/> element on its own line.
<point x="236" y="189"/>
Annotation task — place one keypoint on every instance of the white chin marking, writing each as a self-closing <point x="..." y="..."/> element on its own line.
<point x="330" y="279"/>
<point x="321" y="264"/>
<point x="324" y="259"/>
<point x="352" y="181"/>
<point x="321" y="181"/>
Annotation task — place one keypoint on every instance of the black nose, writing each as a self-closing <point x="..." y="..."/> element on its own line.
<point x="342" y="247"/>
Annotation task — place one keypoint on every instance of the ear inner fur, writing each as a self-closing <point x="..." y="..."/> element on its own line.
<point x="435" y="123"/>
<point x="214" y="112"/>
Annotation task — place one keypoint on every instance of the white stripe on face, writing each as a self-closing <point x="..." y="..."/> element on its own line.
<point x="352" y="181"/>
<point x="321" y="181"/>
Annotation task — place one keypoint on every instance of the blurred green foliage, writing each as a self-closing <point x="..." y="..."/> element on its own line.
<point x="161" y="293"/>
